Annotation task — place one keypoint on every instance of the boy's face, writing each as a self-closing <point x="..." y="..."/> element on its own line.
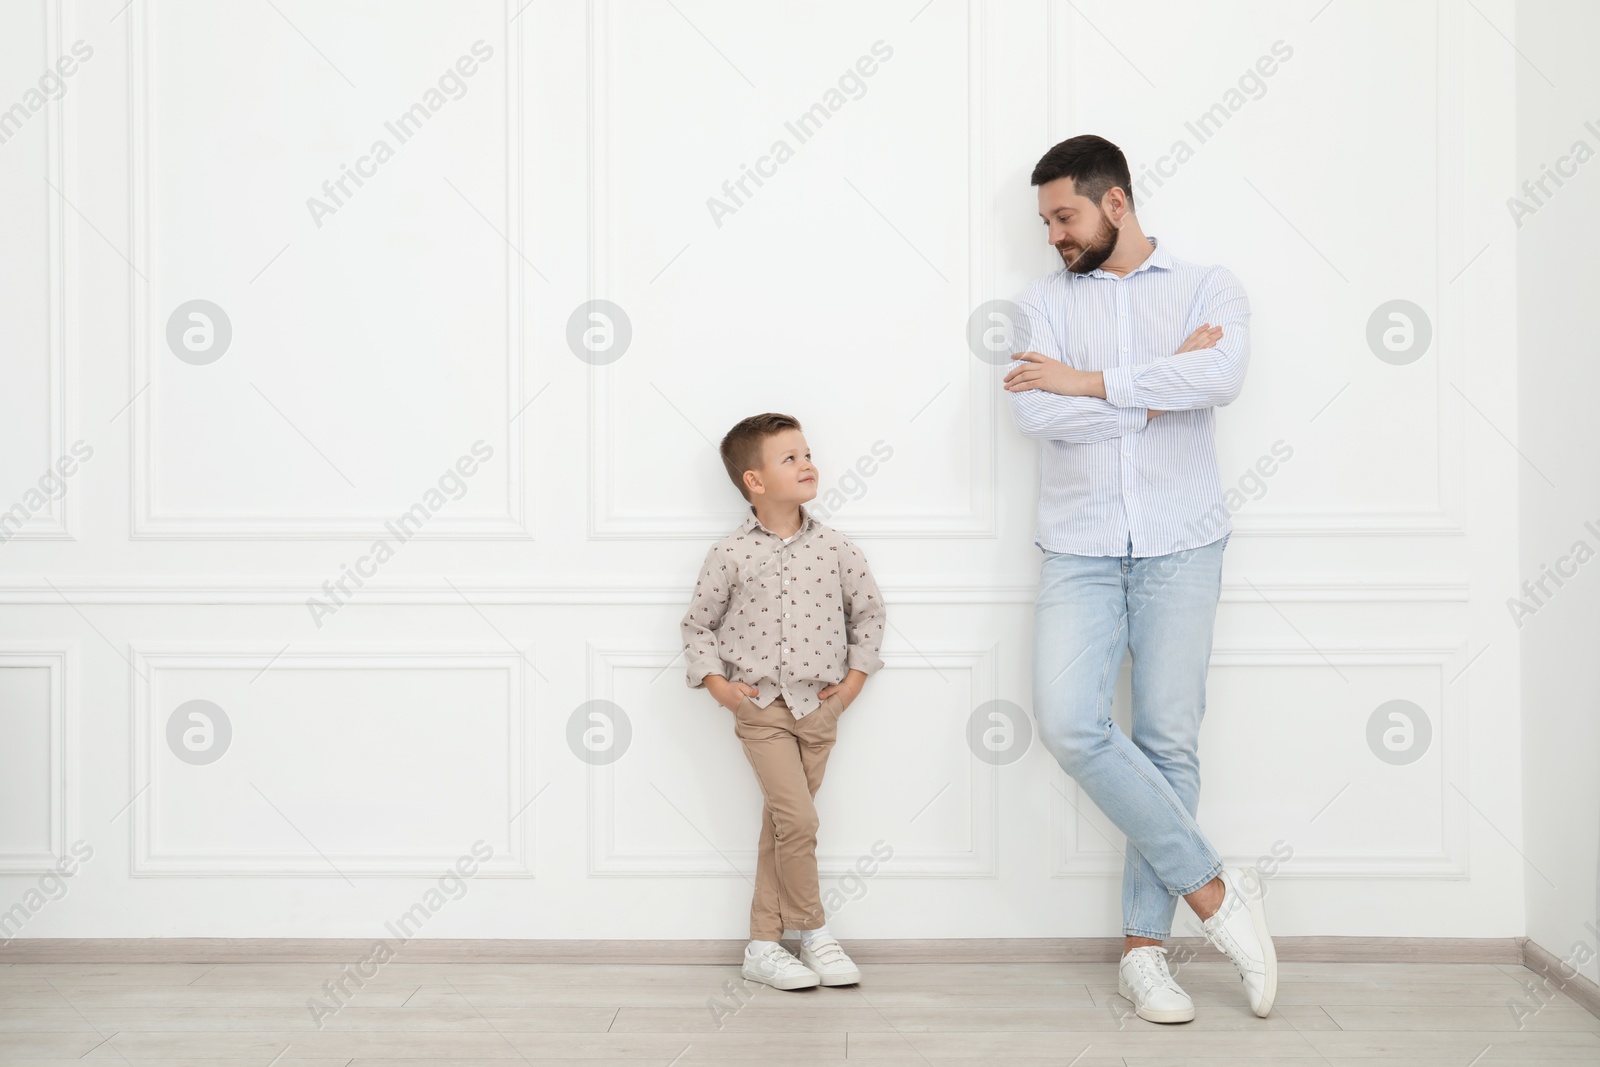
<point x="787" y="475"/>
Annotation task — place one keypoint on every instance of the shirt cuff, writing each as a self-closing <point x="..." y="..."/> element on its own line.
<point x="1119" y="386"/>
<point x="862" y="658"/>
<point x="701" y="666"/>
<point x="1132" y="420"/>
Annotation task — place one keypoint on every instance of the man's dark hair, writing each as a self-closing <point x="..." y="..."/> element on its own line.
<point x="1093" y="163"/>
<point x="741" y="446"/>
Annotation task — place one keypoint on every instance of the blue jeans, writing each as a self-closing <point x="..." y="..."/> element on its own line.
<point x="1090" y="610"/>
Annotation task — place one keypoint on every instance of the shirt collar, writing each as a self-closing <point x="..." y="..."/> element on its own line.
<point x="752" y="522"/>
<point x="1159" y="258"/>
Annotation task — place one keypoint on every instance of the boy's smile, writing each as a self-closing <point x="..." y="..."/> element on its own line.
<point x="786" y="476"/>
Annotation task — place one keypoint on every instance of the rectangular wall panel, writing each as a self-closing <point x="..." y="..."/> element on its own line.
<point x="339" y="764"/>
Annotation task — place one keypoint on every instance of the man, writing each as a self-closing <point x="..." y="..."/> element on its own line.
<point x="1129" y="351"/>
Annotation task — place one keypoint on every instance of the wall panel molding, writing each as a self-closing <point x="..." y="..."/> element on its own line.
<point x="147" y="521"/>
<point x="981" y="817"/>
<point x="981" y="519"/>
<point x="1069" y="859"/>
<point x="148" y="727"/>
<point x="1451" y="212"/>
<point x="518" y="590"/>
<point x="53" y="522"/>
<point x="59" y="801"/>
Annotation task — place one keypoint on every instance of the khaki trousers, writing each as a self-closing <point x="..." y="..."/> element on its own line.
<point x="788" y="756"/>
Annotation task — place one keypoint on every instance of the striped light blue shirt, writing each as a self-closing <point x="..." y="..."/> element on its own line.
<point x="1109" y="474"/>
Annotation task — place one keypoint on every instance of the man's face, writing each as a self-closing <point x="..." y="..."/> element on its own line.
<point x="1078" y="229"/>
<point x="786" y="468"/>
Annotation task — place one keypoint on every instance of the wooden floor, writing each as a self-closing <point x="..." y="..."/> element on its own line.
<point x="459" y="1014"/>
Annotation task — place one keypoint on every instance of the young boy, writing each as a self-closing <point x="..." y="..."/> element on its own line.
<point x="784" y="629"/>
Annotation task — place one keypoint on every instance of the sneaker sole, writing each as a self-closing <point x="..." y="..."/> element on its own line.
<point x="853" y="978"/>
<point x="1151" y="1015"/>
<point x="1269" y="991"/>
<point x="799" y="981"/>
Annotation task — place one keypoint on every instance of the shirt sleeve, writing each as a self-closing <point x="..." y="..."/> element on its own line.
<point x="1041" y="413"/>
<point x="864" y="614"/>
<point x="1209" y="377"/>
<point x="704" y="617"/>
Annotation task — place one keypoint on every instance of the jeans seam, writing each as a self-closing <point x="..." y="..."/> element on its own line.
<point x="1138" y="888"/>
<point x="1199" y="841"/>
<point x="1143" y="932"/>
<point x="1215" y="872"/>
<point x="1205" y="846"/>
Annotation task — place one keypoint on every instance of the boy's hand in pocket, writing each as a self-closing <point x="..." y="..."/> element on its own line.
<point x="729" y="694"/>
<point x="847" y="690"/>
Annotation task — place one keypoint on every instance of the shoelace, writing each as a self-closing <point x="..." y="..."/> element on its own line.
<point x="1153" y="969"/>
<point x="1230" y="948"/>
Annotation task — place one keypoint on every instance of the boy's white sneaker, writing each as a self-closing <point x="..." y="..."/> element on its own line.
<point x="824" y="956"/>
<point x="1143" y="978"/>
<point x="1239" y="930"/>
<point x="776" y="966"/>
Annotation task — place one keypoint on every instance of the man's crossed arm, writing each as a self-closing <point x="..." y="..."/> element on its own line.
<point x="1052" y="399"/>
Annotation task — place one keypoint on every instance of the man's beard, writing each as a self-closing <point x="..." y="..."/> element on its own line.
<point x="1084" y="260"/>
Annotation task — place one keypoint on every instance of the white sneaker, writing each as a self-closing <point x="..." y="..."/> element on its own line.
<point x="1143" y="978"/>
<point x="1239" y="930"/>
<point x="824" y="956"/>
<point x="776" y="966"/>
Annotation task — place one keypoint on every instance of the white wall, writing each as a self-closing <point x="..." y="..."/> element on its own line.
<point x="431" y="311"/>
<point x="1559" y="501"/>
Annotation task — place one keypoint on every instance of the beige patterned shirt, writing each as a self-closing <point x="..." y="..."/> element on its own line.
<point x="788" y="617"/>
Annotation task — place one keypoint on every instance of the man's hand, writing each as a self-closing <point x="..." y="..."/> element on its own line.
<point x="847" y="690"/>
<point x="1204" y="336"/>
<point x="1051" y="375"/>
<point x="1054" y="376"/>
<point x="729" y="694"/>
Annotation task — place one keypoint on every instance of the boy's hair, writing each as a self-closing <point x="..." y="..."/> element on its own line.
<point x="741" y="446"/>
<point x="1093" y="163"/>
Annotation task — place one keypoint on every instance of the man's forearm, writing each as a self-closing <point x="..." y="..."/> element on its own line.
<point x="1076" y="419"/>
<point x="1201" y="379"/>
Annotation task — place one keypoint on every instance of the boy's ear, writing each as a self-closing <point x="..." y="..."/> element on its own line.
<point x="752" y="482"/>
